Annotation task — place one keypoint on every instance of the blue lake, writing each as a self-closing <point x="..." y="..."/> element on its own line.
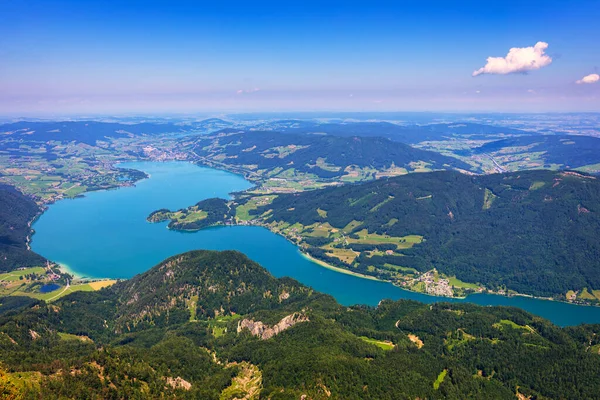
<point x="105" y="235"/>
<point x="50" y="287"/>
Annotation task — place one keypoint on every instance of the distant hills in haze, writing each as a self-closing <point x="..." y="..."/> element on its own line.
<point x="567" y="151"/>
<point x="91" y="131"/>
<point x="326" y="156"/>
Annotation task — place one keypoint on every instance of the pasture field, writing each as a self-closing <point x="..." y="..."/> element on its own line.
<point x="382" y="344"/>
<point x="454" y="281"/>
<point x="15" y="275"/>
<point x="440" y="379"/>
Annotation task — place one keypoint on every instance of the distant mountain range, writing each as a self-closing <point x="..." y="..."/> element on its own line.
<point x="410" y="134"/>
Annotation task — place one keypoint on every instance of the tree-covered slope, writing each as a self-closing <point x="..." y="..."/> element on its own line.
<point x="534" y="232"/>
<point x="16" y="212"/>
<point x="325" y="156"/>
<point x="218" y="326"/>
<point x="401" y="133"/>
<point x="567" y="151"/>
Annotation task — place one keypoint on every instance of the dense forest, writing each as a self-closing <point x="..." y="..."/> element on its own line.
<point x="326" y="156"/>
<point x="215" y="325"/>
<point x="16" y="212"/>
<point x="533" y="232"/>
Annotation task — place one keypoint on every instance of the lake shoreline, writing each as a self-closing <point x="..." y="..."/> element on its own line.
<point x="122" y="251"/>
<point x="328" y="266"/>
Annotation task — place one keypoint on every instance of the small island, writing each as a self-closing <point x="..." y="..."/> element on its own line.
<point x="202" y="215"/>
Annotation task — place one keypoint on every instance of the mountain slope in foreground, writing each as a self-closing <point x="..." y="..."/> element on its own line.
<point x="16" y="212"/>
<point x="215" y="325"/>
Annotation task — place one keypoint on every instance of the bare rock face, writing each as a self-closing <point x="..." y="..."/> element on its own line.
<point x="265" y="331"/>
<point x="178" y="383"/>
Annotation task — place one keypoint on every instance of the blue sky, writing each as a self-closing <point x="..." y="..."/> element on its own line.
<point x="187" y="56"/>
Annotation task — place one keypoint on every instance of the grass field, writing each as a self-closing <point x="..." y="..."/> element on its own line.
<point x="440" y="379"/>
<point x="586" y="295"/>
<point x="537" y="185"/>
<point x="400" y="268"/>
<point x="69" y="336"/>
<point x="322" y="213"/>
<point x="97" y="285"/>
<point x="405" y="242"/>
<point x="510" y="324"/>
<point x="351" y="226"/>
<point x="382" y="344"/>
<point x="488" y="199"/>
<point x="219" y="324"/>
<point x="242" y="212"/>
<point x="24" y="290"/>
<point x="381" y="204"/>
<point x="454" y="281"/>
<point x="15" y="275"/>
<point x="345" y="255"/>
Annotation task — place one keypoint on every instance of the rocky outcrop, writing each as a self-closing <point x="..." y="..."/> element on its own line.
<point x="178" y="383"/>
<point x="257" y="328"/>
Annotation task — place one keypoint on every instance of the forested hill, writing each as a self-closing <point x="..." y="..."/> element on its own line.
<point x="400" y="133"/>
<point x="16" y="211"/>
<point x="215" y="325"/>
<point x="82" y="131"/>
<point x="567" y="151"/>
<point x="323" y="155"/>
<point x="534" y="232"/>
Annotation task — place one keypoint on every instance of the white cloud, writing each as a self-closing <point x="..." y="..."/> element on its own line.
<point x="591" y="78"/>
<point x="518" y="59"/>
<point x="243" y="91"/>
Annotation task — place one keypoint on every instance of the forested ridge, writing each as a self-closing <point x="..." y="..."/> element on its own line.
<point x="304" y="152"/>
<point x="194" y="327"/>
<point x="568" y="151"/>
<point x="16" y="212"/>
<point x="533" y="232"/>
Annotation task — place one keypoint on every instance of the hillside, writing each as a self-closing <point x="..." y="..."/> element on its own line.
<point x="533" y="232"/>
<point x="411" y="134"/>
<point x="81" y="131"/>
<point x="565" y="151"/>
<point x="275" y="155"/>
<point x="16" y="212"/>
<point x="215" y="325"/>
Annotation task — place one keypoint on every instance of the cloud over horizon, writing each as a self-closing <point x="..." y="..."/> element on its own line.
<point x="245" y="91"/>
<point x="591" y="78"/>
<point x="518" y="60"/>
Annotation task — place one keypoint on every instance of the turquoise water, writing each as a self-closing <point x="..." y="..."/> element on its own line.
<point x="105" y="234"/>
